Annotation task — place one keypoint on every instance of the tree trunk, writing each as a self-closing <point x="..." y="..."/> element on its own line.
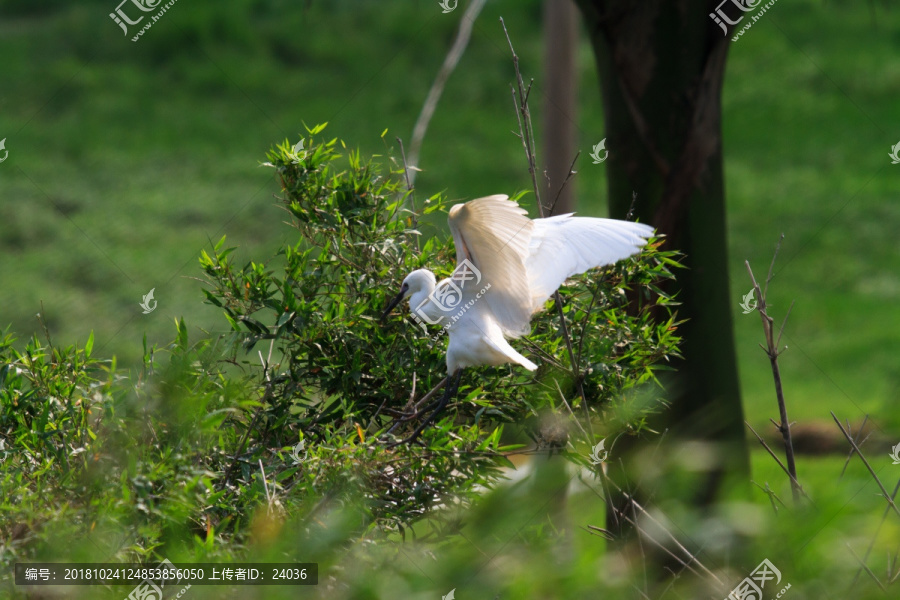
<point x="661" y="67"/>
<point x="559" y="103"/>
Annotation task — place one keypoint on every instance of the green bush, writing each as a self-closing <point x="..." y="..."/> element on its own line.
<point x="276" y="429"/>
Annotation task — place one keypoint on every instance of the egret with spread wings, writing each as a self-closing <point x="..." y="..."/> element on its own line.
<point x="508" y="266"/>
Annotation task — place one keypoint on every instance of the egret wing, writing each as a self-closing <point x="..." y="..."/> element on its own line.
<point x="563" y="246"/>
<point x="494" y="233"/>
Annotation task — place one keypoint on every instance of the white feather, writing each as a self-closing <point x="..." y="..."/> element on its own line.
<point x="564" y="246"/>
<point x="521" y="263"/>
<point x="494" y="233"/>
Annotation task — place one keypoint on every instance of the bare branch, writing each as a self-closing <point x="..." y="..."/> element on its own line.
<point x="887" y="510"/>
<point x="772" y="264"/>
<point x="867" y="569"/>
<point x="412" y="193"/>
<point x="887" y="497"/>
<point x="523" y="116"/>
<point x="772" y="352"/>
<point x="565" y="182"/>
<point x="771" y="494"/>
<point x="780" y="464"/>
<point x="437" y="88"/>
<point x="858" y="443"/>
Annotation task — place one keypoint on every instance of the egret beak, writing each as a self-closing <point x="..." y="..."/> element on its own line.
<point x="397" y="300"/>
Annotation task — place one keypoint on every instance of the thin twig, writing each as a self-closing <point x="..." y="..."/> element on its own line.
<point x="412" y="394"/>
<point x="867" y="569"/>
<point x="780" y="464"/>
<point x="562" y="396"/>
<point x="772" y="352"/>
<point x="527" y="136"/>
<point x="410" y="416"/>
<point x="641" y="546"/>
<point x="858" y="434"/>
<point x="887" y="497"/>
<point x="544" y="354"/>
<point x="267" y="396"/>
<point x="605" y="533"/>
<point x="409" y="185"/>
<point x="616" y="512"/>
<point x="887" y="510"/>
<point x="771" y="494"/>
<point x="525" y="121"/>
<point x="783" y="323"/>
<point x="772" y="265"/>
<point x="631" y="208"/>
<point x="412" y="194"/>
<point x="437" y="88"/>
<point x="565" y="182"/>
<point x="686" y="565"/>
<point x="672" y="537"/>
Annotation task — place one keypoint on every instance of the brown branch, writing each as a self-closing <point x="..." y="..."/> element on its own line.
<point x="630" y="498"/>
<point x="887" y="509"/>
<point x="437" y="88"/>
<point x="887" y="497"/>
<point x="564" y="183"/>
<point x="680" y="546"/>
<point x="772" y="352"/>
<point x="867" y="569"/>
<point x="858" y="443"/>
<point x="780" y="464"/>
<point x="527" y="136"/>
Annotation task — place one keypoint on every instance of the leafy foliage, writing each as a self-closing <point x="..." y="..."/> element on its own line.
<point x="339" y="369"/>
<point x="224" y="442"/>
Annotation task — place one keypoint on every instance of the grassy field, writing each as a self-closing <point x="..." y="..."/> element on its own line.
<point x="127" y="159"/>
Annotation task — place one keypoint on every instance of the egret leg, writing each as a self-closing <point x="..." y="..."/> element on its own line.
<point x="449" y="392"/>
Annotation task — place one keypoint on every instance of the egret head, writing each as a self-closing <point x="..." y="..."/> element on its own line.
<point x="417" y="286"/>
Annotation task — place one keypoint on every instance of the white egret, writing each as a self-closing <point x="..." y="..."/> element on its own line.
<point x="508" y="266"/>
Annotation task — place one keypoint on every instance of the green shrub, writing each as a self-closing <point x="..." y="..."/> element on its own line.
<point x="277" y="428"/>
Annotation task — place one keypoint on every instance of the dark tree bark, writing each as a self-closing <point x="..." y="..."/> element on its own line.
<point x="559" y="102"/>
<point x="661" y="66"/>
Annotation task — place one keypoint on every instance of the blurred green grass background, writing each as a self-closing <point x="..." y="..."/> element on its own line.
<point x="127" y="158"/>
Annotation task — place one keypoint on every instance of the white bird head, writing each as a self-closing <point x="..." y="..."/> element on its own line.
<point x="417" y="286"/>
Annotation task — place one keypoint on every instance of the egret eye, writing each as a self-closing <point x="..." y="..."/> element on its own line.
<point x="405" y="287"/>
